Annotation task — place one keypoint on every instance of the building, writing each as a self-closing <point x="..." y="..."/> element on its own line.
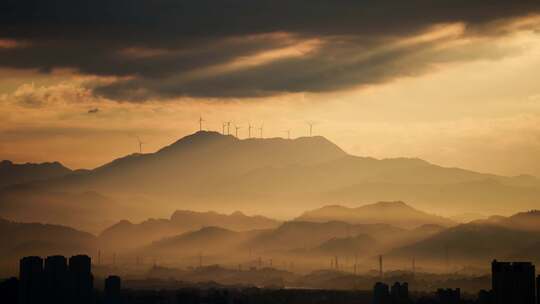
<point x="449" y="295"/>
<point x="484" y="297"/>
<point x="112" y="290"/>
<point x="30" y="280"/>
<point x="9" y="291"/>
<point x="381" y="294"/>
<point x="81" y="279"/>
<point x="56" y="279"/>
<point x="399" y="293"/>
<point x="513" y="282"/>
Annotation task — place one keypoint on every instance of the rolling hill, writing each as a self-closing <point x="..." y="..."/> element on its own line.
<point x="12" y="174"/>
<point x="392" y="213"/>
<point x="125" y="235"/>
<point x="24" y="239"/>
<point x="468" y="244"/>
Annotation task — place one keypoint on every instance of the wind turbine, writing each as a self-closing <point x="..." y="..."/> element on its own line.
<point x="236" y="130"/>
<point x="310" y="124"/>
<point x="140" y="144"/>
<point x="288" y="133"/>
<point x="228" y="127"/>
<point x="249" y="130"/>
<point x="223" y="125"/>
<point x="201" y="120"/>
<point x="261" y="130"/>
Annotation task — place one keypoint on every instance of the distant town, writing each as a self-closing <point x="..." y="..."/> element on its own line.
<point x="57" y="279"/>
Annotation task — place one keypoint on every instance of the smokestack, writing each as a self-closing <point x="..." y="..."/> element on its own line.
<point x="381" y="273"/>
<point x="355" y="263"/>
<point x="446" y="259"/>
<point x="414" y="267"/>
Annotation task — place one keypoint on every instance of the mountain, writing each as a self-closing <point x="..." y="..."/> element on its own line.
<point x="207" y="240"/>
<point x="467" y="244"/>
<point x="125" y="235"/>
<point x="88" y="210"/>
<point x="281" y="177"/>
<point x="361" y="244"/>
<point x="300" y="235"/>
<point x="526" y="221"/>
<point x="201" y="161"/>
<point x="391" y="213"/>
<point x="23" y="239"/>
<point x="11" y="174"/>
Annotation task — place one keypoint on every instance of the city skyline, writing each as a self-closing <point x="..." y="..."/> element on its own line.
<point x="269" y="151"/>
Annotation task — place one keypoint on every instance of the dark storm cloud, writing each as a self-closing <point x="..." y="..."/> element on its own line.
<point x="157" y="43"/>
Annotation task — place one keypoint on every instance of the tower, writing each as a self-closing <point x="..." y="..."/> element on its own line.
<point x="56" y="279"/>
<point x="30" y="280"/>
<point x="381" y="294"/>
<point x="112" y="289"/>
<point x="513" y="282"/>
<point x="82" y="281"/>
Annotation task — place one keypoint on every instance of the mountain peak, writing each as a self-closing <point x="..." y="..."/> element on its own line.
<point x="393" y="204"/>
<point x="198" y="138"/>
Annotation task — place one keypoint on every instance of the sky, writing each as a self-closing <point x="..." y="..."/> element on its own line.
<point x="451" y="82"/>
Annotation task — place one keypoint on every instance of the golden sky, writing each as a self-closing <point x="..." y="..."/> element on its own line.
<point x="476" y="105"/>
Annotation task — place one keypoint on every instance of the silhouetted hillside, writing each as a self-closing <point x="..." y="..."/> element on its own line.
<point x="89" y="211"/>
<point x="468" y="243"/>
<point x="282" y="177"/>
<point x="360" y="244"/>
<point x="128" y="235"/>
<point x="391" y="213"/>
<point x="24" y="239"/>
<point x="11" y="174"/>
<point x="207" y="240"/>
<point x="527" y="221"/>
<point x="203" y="161"/>
<point x="306" y="235"/>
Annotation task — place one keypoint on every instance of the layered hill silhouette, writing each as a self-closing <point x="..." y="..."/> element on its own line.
<point x="392" y="213"/>
<point x="499" y="237"/>
<point x="12" y="174"/>
<point x="275" y="176"/>
<point x="87" y="210"/>
<point x="208" y="240"/>
<point x="126" y="235"/>
<point x="25" y="239"/>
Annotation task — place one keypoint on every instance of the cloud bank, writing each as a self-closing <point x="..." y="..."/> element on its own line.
<point x="165" y="49"/>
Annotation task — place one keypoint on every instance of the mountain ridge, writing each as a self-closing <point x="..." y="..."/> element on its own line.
<point x="12" y="173"/>
<point x="396" y="213"/>
<point x="281" y="177"/>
